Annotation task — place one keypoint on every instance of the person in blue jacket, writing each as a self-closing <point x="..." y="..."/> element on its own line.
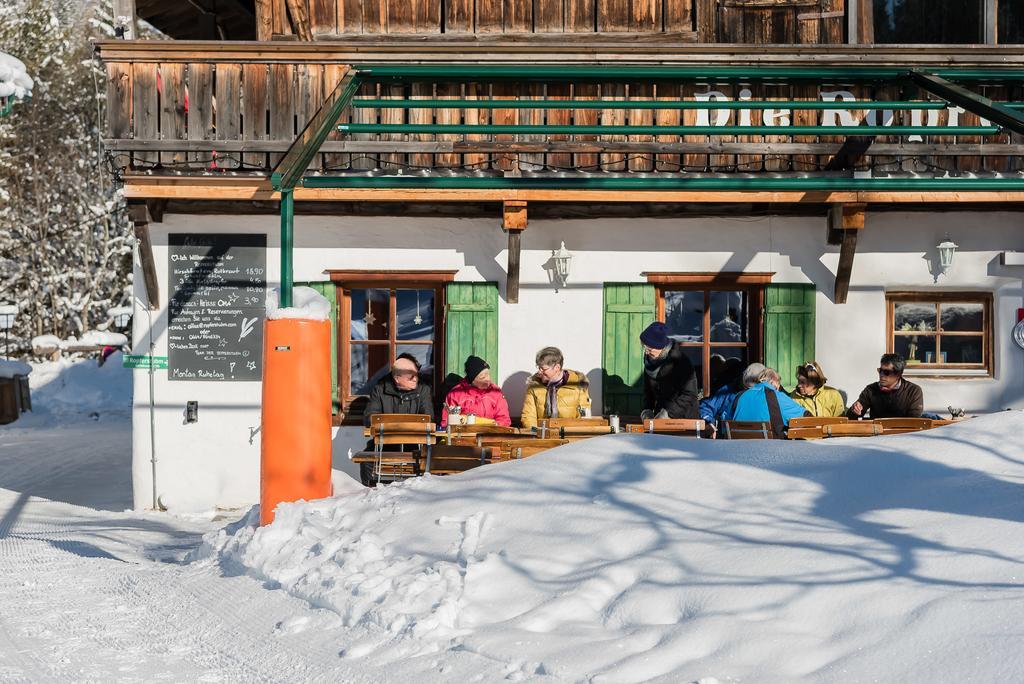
<point x="758" y="403"/>
<point x="719" y="405"/>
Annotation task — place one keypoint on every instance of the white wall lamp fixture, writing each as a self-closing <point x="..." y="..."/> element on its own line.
<point x="563" y="261"/>
<point x="947" y="251"/>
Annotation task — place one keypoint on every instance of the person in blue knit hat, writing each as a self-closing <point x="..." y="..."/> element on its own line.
<point x="670" y="382"/>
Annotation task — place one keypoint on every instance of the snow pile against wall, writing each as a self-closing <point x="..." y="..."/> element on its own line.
<point x="307" y="303"/>
<point x="14" y="79"/>
<point x="67" y="388"/>
<point x="631" y="557"/>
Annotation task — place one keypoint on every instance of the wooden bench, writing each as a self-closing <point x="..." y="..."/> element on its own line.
<point x="853" y="428"/>
<point x="456" y="434"/>
<point x="573" y="429"/>
<point x="405" y="430"/>
<point x="747" y="429"/>
<point x="523" y="448"/>
<point x="897" y="426"/>
<point x="679" y="427"/>
<point x="446" y="459"/>
<point x="815" y="421"/>
<point x="812" y="432"/>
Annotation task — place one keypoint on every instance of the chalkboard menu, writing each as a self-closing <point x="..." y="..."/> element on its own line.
<point x="215" y="319"/>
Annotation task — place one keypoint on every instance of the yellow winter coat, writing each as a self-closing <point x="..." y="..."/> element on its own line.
<point x="570" y="398"/>
<point x="825" y="403"/>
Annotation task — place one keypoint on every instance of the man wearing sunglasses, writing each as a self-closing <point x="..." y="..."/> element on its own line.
<point x="892" y="396"/>
<point x="400" y="391"/>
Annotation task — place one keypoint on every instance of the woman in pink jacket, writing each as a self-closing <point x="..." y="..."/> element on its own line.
<point x="477" y="395"/>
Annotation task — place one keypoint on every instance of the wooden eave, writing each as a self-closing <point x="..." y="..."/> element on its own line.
<point x="142" y="187"/>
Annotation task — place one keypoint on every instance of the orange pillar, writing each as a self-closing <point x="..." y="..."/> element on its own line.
<point x="295" y="456"/>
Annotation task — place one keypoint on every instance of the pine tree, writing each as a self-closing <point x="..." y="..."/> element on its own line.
<point x="65" y="240"/>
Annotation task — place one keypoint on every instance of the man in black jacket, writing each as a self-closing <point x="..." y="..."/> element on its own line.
<point x="398" y="392"/>
<point x="670" y="383"/>
<point x="893" y="396"/>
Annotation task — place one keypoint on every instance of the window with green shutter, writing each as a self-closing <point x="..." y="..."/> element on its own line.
<point x="471" y="327"/>
<point x="628" y="309"/>
<point x="788" y="328"/>
<point x="330" y="291"/>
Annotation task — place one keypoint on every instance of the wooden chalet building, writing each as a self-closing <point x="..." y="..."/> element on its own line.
<point x="771" y="177"/>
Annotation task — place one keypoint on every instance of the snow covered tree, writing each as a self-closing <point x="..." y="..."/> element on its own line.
<point x="65" y="240"/>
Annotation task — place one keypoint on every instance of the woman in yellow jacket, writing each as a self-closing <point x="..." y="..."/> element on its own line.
<point x="553" y="392"/>
<point x="814" y="395"/>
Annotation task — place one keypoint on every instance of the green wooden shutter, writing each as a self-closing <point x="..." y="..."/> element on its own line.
<point x="788" y="328"/>
<point x="628" y="309"/>
<point x="472" y="326"/>
<point x="329" y="290"/>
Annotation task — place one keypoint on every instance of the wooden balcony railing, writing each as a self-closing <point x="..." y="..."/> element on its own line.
<point x="236" y="107"/>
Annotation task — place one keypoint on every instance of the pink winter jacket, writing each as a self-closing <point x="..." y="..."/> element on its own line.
<point x="488" y="403"/>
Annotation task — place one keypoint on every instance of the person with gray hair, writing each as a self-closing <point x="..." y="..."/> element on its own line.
<point x="752" y="375"/>
<point x="763" y="401"/>
<point x="554" y="392"/>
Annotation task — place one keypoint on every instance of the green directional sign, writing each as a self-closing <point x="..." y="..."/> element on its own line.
<point x="143" y="361"/>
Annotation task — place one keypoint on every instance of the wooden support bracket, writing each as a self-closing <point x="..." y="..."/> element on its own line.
<point x="514" y="222"/>
<point x="513" y="215"/>
<point x="140" y="217"/>
<point x="845" y="269"/>
<point x="845" y="221"/>
<point x="842" y="217"/>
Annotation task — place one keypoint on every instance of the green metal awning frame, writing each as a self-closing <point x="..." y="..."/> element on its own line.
<point x="943" y="83"/>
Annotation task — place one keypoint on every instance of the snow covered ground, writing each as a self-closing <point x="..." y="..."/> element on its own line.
<point x="619" y="559"/>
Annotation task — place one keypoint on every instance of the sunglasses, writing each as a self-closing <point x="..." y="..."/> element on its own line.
<point x="887" y="372"/>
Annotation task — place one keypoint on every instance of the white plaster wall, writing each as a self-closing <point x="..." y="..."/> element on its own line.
<point x="216" y="461"/>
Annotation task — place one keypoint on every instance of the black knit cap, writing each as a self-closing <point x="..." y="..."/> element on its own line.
<point x="474" y="366"/>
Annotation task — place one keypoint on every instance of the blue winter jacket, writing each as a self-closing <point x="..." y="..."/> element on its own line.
<point x="719" y="405"/>
<point x="752" y="405"/>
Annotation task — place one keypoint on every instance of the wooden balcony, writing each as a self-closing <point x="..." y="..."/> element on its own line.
<point x="203" y="108"/>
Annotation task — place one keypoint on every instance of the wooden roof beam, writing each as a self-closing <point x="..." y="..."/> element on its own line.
<point x="238" y="188"/>
<point x="969" y="100"/>
<point x="139" y="214"/>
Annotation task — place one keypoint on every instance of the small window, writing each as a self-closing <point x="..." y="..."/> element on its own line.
<point x="383" y="316"/>
<point x="712" y="314"/>
<point x="928" y="21"/>
<point x="948" y="333"/>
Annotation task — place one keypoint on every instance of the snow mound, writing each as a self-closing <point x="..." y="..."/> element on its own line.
<point x="14" y="80"/>
<point x="307" y="303"/>
<point x="45" y="344"/>
<point x="101" y="338"/>
<point x="10" y="368"/>
<point x="68" y="387"/>
<point x="638" y="557"/>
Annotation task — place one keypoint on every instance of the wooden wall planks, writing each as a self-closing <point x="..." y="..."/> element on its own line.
<point x="228" y="116"/>
<point x="332" y="18"/>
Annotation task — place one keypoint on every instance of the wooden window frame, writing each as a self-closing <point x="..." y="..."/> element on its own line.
<point x="753" y="284"/>
<point x="946" y="371"/>
<point x="345" y="280"/>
